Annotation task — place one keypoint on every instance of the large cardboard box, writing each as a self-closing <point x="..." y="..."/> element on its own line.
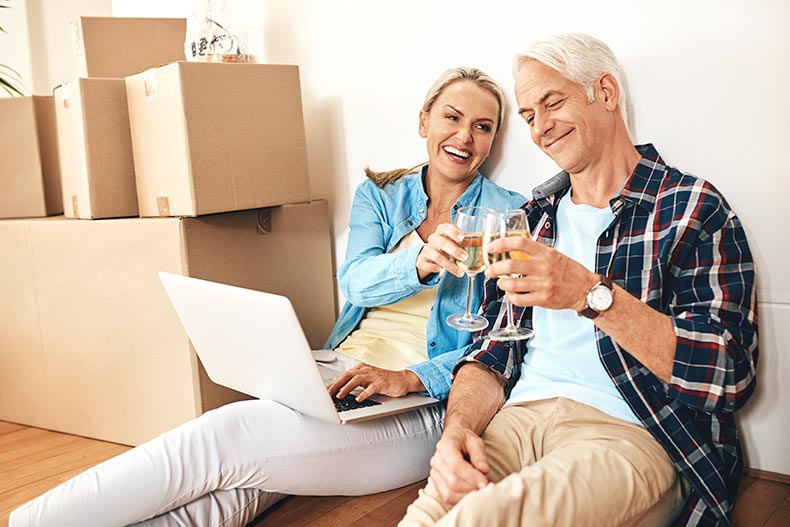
<point x="217" y="137"/>
<point x="29" y="171"/>
<point x="116" y="47"/>
<point x="95" y="146"/>
<point x="89" y="342"/>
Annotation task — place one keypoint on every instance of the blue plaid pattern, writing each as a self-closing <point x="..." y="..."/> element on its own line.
<point x="677" y="246"/>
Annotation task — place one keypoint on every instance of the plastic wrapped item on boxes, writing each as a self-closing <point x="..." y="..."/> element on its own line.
<point x="216" y="32"/>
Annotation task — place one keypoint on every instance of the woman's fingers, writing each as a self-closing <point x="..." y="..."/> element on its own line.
<point x="372" y="379"/>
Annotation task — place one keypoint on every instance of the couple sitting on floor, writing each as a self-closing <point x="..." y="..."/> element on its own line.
<point x="619" y="411"/>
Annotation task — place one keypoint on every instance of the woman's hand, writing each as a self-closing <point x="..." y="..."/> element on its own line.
<point x="441" y="252"/>
<point x="375" y="380"/>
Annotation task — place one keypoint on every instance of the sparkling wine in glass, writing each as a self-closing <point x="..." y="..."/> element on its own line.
<point x="501" y="224"/>
<point x="471" y="222"/>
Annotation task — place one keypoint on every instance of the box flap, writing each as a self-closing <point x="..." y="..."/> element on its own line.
<point x="117" y="47"/>
<point x="246" y="135"/>
<point x="108" y="146"/>
<point x="21" y="176"/>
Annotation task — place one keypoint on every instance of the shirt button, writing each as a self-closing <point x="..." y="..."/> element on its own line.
<point x="548" y="225"/>
<point x="409" y="223"/>
<point x="433" y="344"/>
<point x="422" y="211"/>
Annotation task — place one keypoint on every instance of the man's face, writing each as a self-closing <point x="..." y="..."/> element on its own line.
<point x="568" y="128"/>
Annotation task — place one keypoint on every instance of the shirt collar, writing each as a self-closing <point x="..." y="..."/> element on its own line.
<point x="641" y="188"/>
<point x="468" y="198"/>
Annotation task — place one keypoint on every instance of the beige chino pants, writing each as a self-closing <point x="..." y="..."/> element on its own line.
<point x="559" y="463"/>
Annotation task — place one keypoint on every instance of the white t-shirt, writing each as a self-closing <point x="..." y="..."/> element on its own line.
<point x="562" y="358"/>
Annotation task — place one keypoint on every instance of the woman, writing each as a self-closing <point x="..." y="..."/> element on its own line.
<point x="230" y="464"/>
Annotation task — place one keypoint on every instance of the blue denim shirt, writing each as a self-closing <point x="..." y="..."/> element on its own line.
<point x="371" y="276"/>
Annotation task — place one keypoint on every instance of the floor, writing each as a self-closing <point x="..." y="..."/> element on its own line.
<point x="33" y="460"/>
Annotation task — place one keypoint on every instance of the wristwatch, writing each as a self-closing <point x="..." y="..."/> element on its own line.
<point x="599" y="298"/>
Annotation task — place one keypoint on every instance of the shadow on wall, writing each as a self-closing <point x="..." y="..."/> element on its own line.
<point x="324" y="127"/>
<point x="762" y="405"/>
<point x="326" y="153"/>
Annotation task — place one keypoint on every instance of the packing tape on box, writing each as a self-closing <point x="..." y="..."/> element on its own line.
<point x="75" y="206"/>
<point x="64" y="92"/>
<point x="149" y="79"/>
<point x="264" y="221"/>
<point x="163" y="204"/>
<point x="75" y="29"/>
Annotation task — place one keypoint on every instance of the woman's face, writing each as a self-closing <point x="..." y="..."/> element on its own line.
<point x="459" y="130"/>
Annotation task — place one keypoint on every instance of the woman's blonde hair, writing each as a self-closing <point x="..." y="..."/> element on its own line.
<point x="449" y="77"/>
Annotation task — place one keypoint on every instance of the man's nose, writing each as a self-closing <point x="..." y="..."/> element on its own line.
<point x="543" y="122"/>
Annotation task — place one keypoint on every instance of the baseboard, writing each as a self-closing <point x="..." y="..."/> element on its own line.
<point x="765" y="474"/>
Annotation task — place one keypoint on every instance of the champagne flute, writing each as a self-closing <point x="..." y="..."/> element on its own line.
<point x="501" y="224"/>
<point x="470" y="221"/>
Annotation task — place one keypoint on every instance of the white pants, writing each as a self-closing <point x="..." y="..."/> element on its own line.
<point x="227" y="466"/>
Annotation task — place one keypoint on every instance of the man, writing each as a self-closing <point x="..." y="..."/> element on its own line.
<point x="640" y="290"/>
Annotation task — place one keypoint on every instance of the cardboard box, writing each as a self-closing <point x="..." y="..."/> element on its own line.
<point x="116" y="47"/>
<point x="29" y="171"/>
<point x="89" y="342"/>
<point x="96" y="163"/>
<point x="213" y="137"/>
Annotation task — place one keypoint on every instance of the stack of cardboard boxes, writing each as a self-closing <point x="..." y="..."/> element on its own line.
<point x="192" y="168"/>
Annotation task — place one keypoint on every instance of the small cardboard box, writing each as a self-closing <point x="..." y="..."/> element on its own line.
<point x="212" y="137"/>
<point x="29" y="171"/>
<point x="96" y="163"/>
<point x="116" y="47"/>
<point x="89" y="342"/>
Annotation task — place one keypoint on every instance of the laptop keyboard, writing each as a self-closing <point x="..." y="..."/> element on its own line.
<point x="350" y="403"/>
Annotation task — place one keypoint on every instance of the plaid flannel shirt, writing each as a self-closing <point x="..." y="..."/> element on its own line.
<point x="677" y="246"/>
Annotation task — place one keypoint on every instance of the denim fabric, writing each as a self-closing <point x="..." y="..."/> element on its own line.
<point x="371" y="276"/>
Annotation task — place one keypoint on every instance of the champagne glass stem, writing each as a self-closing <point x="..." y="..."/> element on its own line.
<point x="510" y="323"/>
<point x="469" y="284"/>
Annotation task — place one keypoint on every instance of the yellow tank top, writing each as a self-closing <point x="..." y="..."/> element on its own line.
<point x="393" y="336"/>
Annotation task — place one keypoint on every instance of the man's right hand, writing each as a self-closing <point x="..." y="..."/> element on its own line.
<point x="459" y="464"/>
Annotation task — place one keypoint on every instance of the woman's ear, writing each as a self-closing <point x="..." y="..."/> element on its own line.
<point x="610" y="91"/>
<point x="423" y="124"/>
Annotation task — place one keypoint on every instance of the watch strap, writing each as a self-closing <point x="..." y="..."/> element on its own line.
<point x="589" y="312"/>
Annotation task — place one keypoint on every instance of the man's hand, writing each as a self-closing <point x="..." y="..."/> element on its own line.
<point x="375" y="380"/>
<point x="549" y="279"/>
<point x="459" y="464"/>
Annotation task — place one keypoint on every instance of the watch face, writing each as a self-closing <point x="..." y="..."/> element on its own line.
<point x="600" y="298"/>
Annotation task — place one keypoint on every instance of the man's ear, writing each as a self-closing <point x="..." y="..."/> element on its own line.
<point x="610" y="91"/>
<point x="423" y="124"/>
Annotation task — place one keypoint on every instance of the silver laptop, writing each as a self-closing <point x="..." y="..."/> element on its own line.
<point x="252" y="342"/>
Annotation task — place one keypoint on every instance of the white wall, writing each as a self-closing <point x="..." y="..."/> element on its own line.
<point x="14" y="46"/>
<point x="706" y="81"/>
<point x="38" y="45"/>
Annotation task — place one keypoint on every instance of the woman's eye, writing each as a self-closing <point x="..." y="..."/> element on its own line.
<point x="451" y="117"/>
<point x="484" y="127"/>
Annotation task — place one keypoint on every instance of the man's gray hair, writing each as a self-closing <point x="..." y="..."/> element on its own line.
<point x="579" y="58"/>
